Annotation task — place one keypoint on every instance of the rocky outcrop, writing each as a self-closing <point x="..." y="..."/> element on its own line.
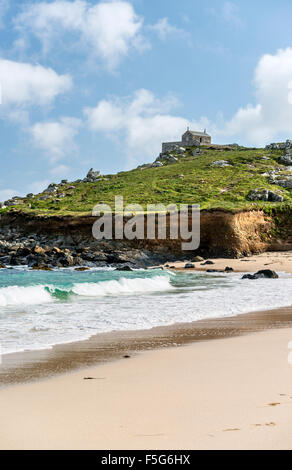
<point x="67" y="241"/>
<point x="265" y="195"/>
<point x="280" y="145"/>
<point x="92" y="176"/>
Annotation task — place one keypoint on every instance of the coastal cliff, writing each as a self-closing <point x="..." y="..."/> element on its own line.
<point x="245" y="199"/>
<point x="60" y="241"/>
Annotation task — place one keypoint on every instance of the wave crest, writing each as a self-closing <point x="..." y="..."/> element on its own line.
<point x="122" y="286"/>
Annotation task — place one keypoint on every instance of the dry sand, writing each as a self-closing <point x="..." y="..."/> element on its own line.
<point x="234" y="393"/>
<point x="228" y="393"/>
<point x="277" y="261"/>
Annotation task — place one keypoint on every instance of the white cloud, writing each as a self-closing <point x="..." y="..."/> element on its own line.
<point x="6" y="194"/>
<point x="271" y="116"/>
<point x="163" y="28"/>
<point x="56" y="138"/>
<point x="143" y="121"/>
<point x="26" y="84"/>
<point x="110" y="29"/>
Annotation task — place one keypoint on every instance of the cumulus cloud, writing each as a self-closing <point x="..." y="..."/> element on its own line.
<point x="56" y="138"/>
<point x="271" y="116"/>
<point x="109" y="29"/>
<point x="26" y="84"/>
<point x="142" y="120"/>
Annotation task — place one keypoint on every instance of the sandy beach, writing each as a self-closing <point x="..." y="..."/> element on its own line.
<point x="213" y="384"/>
<point x="277" y="261"/>
<point x="234" y="393"/>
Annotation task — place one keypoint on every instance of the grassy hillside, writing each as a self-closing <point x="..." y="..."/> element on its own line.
<point x="202" y="183"/>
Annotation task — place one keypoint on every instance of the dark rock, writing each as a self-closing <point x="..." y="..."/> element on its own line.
<point x="124" y="268"/>
<point x="265" y="273"/>
<point x="229" y="270"/>
<point x="41" y="268"/>
<point x="208" y="262"/>
<point x="189" y="266"/>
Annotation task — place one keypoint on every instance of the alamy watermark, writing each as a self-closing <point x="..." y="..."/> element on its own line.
<point x="157" y="222"/>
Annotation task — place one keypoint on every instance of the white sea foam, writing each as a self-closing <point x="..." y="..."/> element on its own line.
<point x="15" y="295"/>
<point x="39" y="317"/>
<point x="122" y="286"/>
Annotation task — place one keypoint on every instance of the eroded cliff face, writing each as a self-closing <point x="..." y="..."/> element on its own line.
<point x="223" y="233"/>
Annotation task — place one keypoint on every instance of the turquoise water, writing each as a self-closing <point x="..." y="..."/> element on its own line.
<point x="39" y="309"/>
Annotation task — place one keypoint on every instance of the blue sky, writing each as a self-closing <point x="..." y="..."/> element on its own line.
<point x="102" y="84"/>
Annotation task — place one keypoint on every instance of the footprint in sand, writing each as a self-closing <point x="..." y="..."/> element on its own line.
<point x="274" y="404"/>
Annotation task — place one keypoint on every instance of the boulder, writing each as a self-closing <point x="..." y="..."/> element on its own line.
<point x="166" y="158"/>
<point x="124" y="268"/>
<point x="180" y="150"/>
<point x="51" y="188"/>
<point x="286" y="159"/>
<point x="92" y="176"/>
<point x="221" y="164"/>
<point x="264" y="195"/>
<point x="265" y="273"/>
<point x="189" y="266"/>
<point x="198" y="259"/>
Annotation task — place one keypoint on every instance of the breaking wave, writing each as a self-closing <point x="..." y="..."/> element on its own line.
<point x="35" y="295"/>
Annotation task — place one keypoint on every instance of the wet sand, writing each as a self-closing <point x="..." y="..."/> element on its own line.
<point x="234" y="393"/>
<point x="34" y="365"/>
<point x="164" y="388"/>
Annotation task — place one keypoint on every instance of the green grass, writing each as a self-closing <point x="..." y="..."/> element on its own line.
<point x="211" y="187"/>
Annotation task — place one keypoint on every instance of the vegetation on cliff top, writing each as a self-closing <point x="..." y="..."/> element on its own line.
<point x="192" y="180"/>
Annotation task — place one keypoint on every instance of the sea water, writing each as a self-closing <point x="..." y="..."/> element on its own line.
<point x="39" y="309"/>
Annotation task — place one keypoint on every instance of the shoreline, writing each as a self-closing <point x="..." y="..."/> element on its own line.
<point x="169" y="387"/>
<point x="35" y="365"/>
<point x="229" y="394"/>
<point x="38" y="365"/>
